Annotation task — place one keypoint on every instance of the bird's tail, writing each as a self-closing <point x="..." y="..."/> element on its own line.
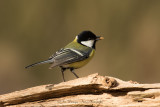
<point x="38" y="63"/>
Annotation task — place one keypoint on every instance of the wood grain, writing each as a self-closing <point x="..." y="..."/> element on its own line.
<point x="93" y="90"/>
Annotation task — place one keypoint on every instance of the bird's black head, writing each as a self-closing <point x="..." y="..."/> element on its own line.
<point x="88" y="39"/>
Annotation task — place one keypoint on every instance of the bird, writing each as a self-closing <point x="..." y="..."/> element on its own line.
<point x="74" y="55"/>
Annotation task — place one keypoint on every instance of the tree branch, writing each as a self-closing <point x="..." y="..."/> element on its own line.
<point x="93" y="90"/>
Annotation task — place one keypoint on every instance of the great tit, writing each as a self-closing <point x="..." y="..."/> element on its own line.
<point x="74" y="55"/>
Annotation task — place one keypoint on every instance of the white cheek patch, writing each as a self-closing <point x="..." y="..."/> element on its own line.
<point x="88" y="43"/>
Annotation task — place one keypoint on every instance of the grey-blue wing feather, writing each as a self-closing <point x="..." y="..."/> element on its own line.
<point x="67" y="56"/>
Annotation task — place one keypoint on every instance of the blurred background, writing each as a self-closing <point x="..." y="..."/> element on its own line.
<point x="32" y="30"/>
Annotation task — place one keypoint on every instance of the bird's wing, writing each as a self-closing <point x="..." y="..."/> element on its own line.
<point x="68" y="55"/>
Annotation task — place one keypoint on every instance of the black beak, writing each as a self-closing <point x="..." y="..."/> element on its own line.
<point x="99" y="38"/>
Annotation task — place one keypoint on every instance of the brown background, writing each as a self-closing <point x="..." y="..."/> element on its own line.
<point x="31" y="30"/>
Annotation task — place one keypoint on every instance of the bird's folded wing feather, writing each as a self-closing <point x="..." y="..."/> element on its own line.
<point x="67" y="56"/>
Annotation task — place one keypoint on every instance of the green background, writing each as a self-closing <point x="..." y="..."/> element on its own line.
<point x="32" y="30"/>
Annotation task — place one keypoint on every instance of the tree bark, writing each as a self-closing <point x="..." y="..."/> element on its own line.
<point x="93" y="90"/>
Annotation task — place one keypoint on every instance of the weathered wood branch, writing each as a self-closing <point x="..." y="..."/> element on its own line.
<point x="93" y="90"/>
